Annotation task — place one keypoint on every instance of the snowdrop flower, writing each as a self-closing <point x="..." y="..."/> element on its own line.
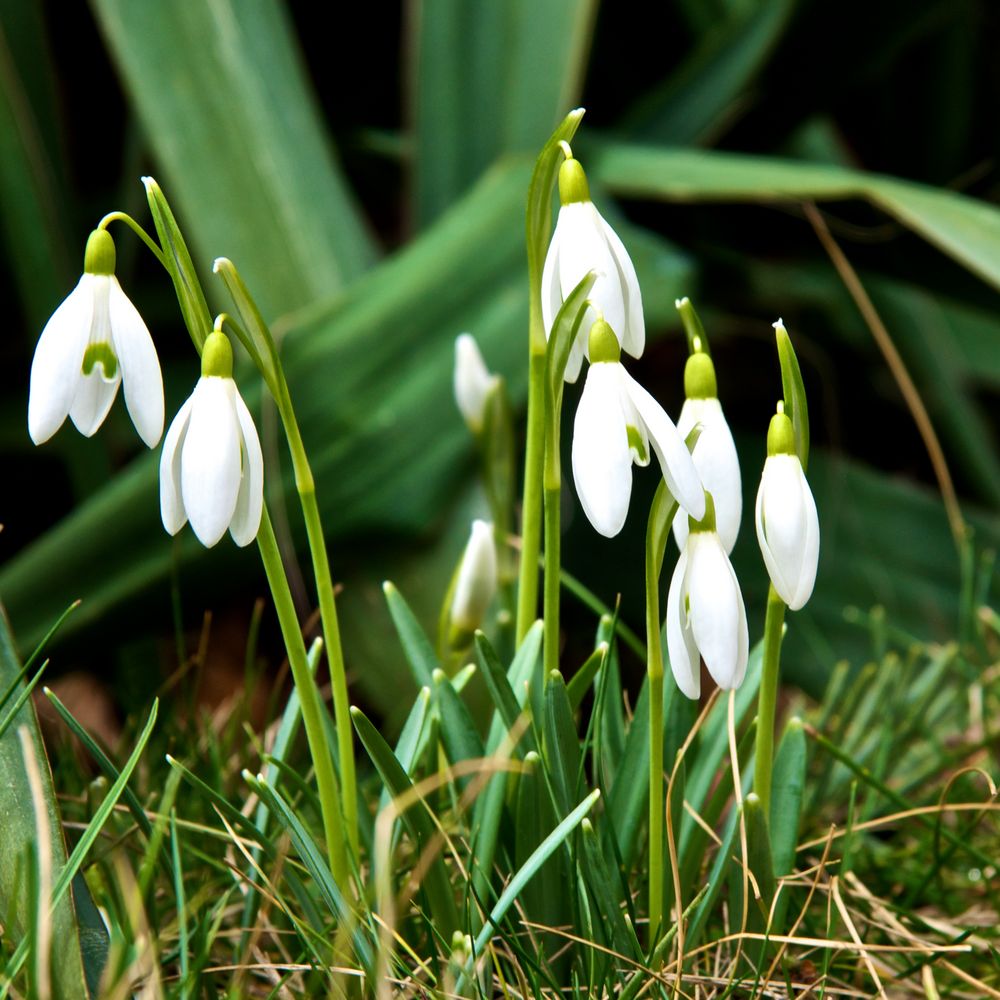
<point x="473" y="381"/>
<point x="706" y="618"/>
<point x="584" y="242"/>
<point x="616" y="422"/>
<point x="211" y="469"/>
<point x="714" y="453"/>
<point x="95" y="341"/>
<point x="787" y="523"/>
<point x="477" y="580"/>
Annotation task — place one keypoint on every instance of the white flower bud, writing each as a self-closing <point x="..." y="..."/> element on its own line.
<point x="477" y="579"/>
<point x="473" y="381"/>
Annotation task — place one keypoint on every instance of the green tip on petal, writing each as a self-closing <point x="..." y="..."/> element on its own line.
<point x="103" y="355"/>
<point x="780" y="435"/>
<point x="699" y="377"/>
<point x="217" y="356"/>
<point x="99" y="257"/>
<point x="604" y="344"/>
<point x="707" y="523"/>
<point x="573" y="186"/>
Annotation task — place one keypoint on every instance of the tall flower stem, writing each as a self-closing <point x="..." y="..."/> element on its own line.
<point x="550" y="595"/>
<point x="531" y="504"/>
<point x="661" y="516"/>
<point x="312" y="714"/>
<point x="764" y="754"/>
<point x="305" y="486"/>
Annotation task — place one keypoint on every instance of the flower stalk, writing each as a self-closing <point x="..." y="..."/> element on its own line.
<point x="768" y="697"/>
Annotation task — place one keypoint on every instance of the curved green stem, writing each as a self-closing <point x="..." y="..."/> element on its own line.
<point x="764" y="755"/>
<point x="138" y="230"/>
<point x="531" y="505"/>
<point x="312" y="714"/>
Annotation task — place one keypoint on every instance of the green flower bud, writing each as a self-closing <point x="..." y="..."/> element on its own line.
<point x="572" y="183"/>
<point x="780" y="435"/>
<point x="699" y="377"/>
<point x="217" y="356"/>
<point x="707" y="523"/>
<point x="99" y="257"/>
<point x="604" y="344"/>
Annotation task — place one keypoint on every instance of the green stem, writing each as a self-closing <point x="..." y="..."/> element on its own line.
<point x="305" y="486"/>
<point x="551" y="592"/>
<point x="531" y="506"/>
<point x="764" y="755"/>
<point x="312" y="714"/>
<point x="654" y="671"/>
<point x="138" y="230"/>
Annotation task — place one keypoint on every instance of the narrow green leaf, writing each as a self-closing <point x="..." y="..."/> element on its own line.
<point x="458" y="732"/>
<point x="273" y="169"/>
<point x="794" y="391"/>
<point x="417" y="819"/>
<point x="418" y="648"/>
<point x="697" y="100"/>
<point x="527" y="871"/>
<point x="561" y="751"/>
<point x="504" y="699"/>
<point x="16" y="807"/>
<point x="581" y="681"/>
<point x="564" y="332"/>
<point x="964" y="228"/>
<point x="786" y="796"/>
<point x="606" y="892"/>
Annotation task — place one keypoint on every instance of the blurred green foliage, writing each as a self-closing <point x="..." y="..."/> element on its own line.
<point x="375" y="206"/>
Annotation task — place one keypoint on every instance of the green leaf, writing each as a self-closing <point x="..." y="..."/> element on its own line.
<point x="244" y="152"/>
<point x="786" y="798"/>
<point x="580" y="682"/>
<point x="20" y="833"/>
<point x="526" y="872"/>
<point x="964" y="228"/>
<point x="418" y="648"/>
<point x="35" y="219"/>
<point x="699" y="99"/>
<point x="564" y="332"/>
<point x="561" y="750"/>
<point x="794" y="391"/>
<point x="458" y="731"/>
<point x="417" y="819"/>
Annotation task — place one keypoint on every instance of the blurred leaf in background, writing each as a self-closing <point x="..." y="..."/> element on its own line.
<point x="311" y="171"/>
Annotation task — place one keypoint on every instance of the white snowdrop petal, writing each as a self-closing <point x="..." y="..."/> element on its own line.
<point x="602" y="464"/>
<point x="250" y="499"/>
<point x="685" y="660"/>
<point x="92" y="400"/>
<point x="140" y="367"/>
<point x="781" y="520"/>
<point x="633" y="336"/>
<point x="583" y="248"/>
<point x="717" y="463"/>
<point x="551" y="292"/>
<point x="171" y="502"/>
<point x="810" y="548"/>
<point x="55" y="367"/>
<point x="716" y="607"/>
<point x="675" y="460"/>
<point x="774" y="571"/>
<point x="210" y="461"/>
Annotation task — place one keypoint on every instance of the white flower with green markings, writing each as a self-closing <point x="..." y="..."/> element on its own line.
<point x="714" y="452"/>
<point x="617" y="421"/>
<point x="584" y="242"/>
<point x="706" y="617"/>
<point x="786" y="518"/>
<point x="211" y="468"/>
<point x="94" y="342"/>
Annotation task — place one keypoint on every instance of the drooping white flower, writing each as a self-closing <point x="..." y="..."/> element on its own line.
<point x="714" y="453"/>
<point x="616" y="422"/>
<point x="786" y="518"/>
<point x="477" y="579"/>
<point x="211" y="468"/>
<point x="706" y="617"/>
<point x="473" y="381"/>
<point x="94" y="342"/>
<point x="584" y="242"/>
